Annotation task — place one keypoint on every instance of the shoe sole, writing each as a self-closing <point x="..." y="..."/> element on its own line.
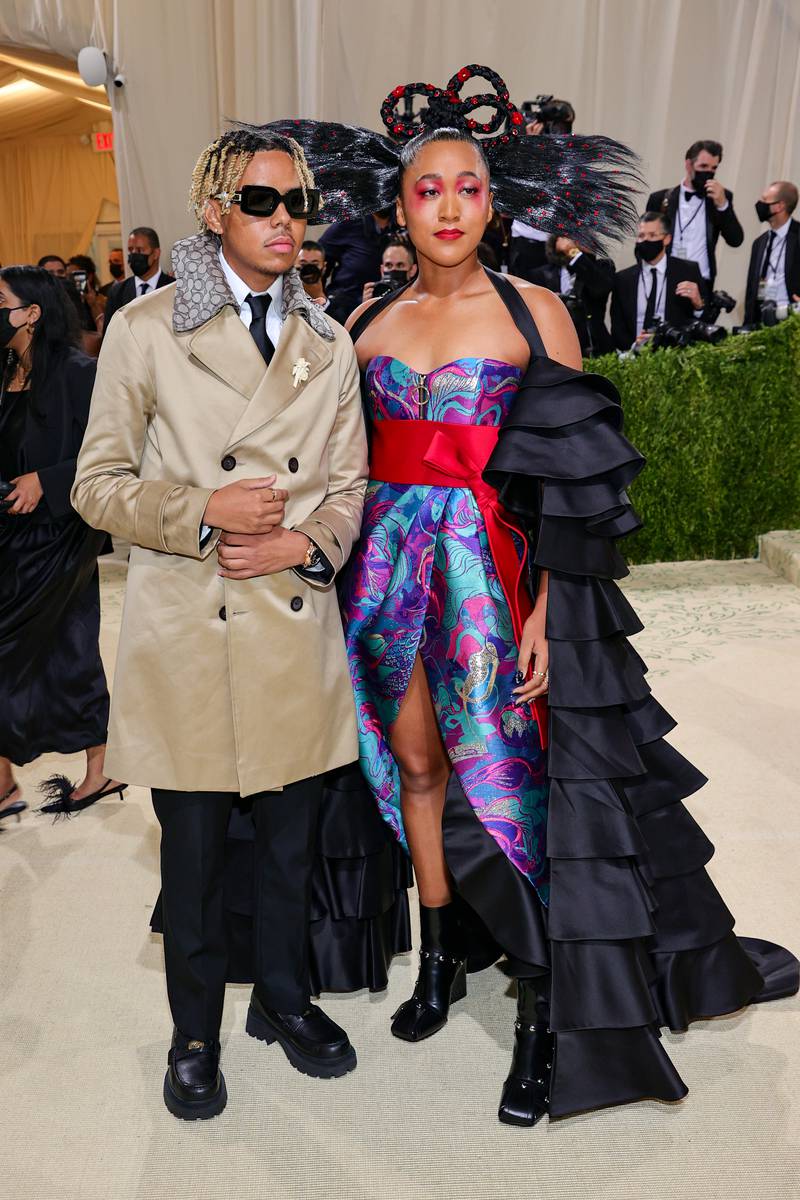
<point x="195" y="1110"/>
<point x="318" y="1068"/>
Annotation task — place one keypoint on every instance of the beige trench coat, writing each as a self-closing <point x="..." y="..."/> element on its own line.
<point x="223" y="685"/>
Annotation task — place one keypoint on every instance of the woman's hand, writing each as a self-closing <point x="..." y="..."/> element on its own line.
<point x="26" y="494"/>
<point x="533" y="649"/>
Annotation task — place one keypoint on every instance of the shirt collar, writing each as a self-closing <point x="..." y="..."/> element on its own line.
<point x="241" y="291"/>
<point x="782" y="231"/>
<point x="660" y="266"/>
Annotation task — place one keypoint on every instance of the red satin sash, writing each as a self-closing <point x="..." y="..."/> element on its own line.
<point x="437" y="454"/>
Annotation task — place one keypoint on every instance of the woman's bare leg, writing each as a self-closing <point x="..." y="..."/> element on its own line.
<point x="94" y="778"/>
<point x="7" y="782"/>
<point x="424" y="769"/>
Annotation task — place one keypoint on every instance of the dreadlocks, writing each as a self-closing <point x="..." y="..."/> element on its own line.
<point x="222" y="164"/>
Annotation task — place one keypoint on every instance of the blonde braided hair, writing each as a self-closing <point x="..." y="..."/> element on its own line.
<point x="221" y="166"/>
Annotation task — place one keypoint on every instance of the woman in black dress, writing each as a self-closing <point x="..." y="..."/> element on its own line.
<point x="54" y="694"/>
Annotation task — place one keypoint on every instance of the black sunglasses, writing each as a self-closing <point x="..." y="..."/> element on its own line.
<point x="258" y="201"/>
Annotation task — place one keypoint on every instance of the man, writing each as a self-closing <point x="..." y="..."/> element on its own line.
<point x="232" y="678"/>
<point x="55" y="264"/>
<point x="699" y="210"/>
<point x="527" y="248"/>
<point x="144" y="260"/>
<point x="584" y="283"/>
<point x="659" y="287"/>
<point x="399" y="258"/>
<point x="774" y="271"/>
<point x="311" y="265"/>
<point x="354" y="248"/>
<point x="116" y="269"/>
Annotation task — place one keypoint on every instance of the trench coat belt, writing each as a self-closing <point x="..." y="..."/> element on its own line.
<point x="440" y="454"/>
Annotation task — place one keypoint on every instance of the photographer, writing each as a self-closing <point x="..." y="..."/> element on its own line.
<point x="661" y="287"/>
<point x="83" y="273"/>
<point x="699" y="210"/>
<point x="774" y="272"/>
<point x="527" y="245"/>
<point x="584" y="283"/>
<point x="398" y="265"/>
<point x="311" y="265"/>
<point x="353" y="248"/>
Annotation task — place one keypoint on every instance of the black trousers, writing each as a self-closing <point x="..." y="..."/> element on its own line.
<point x="193" y="828"/>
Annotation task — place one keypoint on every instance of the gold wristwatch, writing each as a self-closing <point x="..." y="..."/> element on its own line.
<point x="312" y="556"/>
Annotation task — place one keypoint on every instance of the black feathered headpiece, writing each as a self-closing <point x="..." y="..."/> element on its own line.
<point x="563" y="184"/>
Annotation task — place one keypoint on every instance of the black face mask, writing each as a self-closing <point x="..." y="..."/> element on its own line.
<point x="139" y="263"/>
<point x="764" y="210"/>
<point x="700" y="180"/>
<point x="647" y="251"/>
<point x="116" y="270"/>
<point x="310" y="273"/>
<point x="7" y="330"/>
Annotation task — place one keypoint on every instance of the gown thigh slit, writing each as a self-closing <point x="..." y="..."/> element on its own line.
<point x="577" y="862"/>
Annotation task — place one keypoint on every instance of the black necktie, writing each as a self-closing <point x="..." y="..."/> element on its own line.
<point x="650" y="309"/>
<point x="258" y="324"/>
<point x="768" y="255"/>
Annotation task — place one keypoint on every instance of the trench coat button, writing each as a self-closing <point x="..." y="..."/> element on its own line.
<point x="228" y="462"/>
<point x="297" y="603"/>
<point x="293" y="465"/>
<point x="223" y="616"/>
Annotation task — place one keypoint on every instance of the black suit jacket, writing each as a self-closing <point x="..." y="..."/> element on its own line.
<point x="791" y="266"/>
<point x="122" y="294"/>
<point x="677" y="310"/>
<point x="726" y="223"/>
<point x="54" y="433"/>
<point x="594" y="278"/>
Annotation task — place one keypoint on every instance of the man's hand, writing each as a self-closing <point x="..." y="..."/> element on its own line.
<point x="690" y="291"/>
<point x="369" y="288"/>
<point x="244" y="556"/>
<point x="26" y="494"/>
<point x="246" y="506"/>
<point x="716" y="192"/>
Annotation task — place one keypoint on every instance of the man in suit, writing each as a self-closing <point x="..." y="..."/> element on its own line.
<point x="311" y="265"/>
<point x="116" y="268"/>
<point x="659" y="287"/>
<point x="584" y="283"/>
<point x="774" y="271"/>
<point x="226" y="443"/>
<point x="699" y="210"/>
<point x="144" y="260"/>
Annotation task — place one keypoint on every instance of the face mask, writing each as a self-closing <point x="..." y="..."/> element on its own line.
<point x="116" y="270"/>
<point x="763" y="210"/>
<point x="139" y="263"/>
<point x="7" y="330"/>
<point x="310" y="273"/>
<point x="700" y="180"/>
<point x="647" y="251"/>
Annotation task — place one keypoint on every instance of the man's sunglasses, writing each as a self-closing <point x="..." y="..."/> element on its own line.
<point x="258" y="201"/>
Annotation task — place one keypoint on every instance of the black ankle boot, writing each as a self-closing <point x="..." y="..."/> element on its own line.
<point x="442" y="975"/>
<point x="526" y="1091"/>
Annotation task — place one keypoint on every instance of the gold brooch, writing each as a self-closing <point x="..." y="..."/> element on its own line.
<point x="300" y="371"/>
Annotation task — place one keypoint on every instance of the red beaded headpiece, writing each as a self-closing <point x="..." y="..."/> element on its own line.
<point x="447" y="108"/>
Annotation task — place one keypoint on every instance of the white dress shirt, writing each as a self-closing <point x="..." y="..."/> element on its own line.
<point x="145" y="286"/>
<point x="643" y="290"/>
<point x="774" y="270"/>
<point x="240" y="290"/>
<point x="520" y="229"/>
<point x="689" y="235"/>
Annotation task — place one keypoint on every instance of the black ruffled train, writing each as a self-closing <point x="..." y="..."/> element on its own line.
<point x="636" y="936"/>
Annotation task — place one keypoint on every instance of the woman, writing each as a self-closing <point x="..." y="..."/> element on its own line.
<point x="54" y="689"/>
<point x="577" y="861"/>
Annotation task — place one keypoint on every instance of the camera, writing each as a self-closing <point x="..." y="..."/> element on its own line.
<point x="667" y="336"/>
<point x="390" y="283"/>
<point x="556" y="116"/>
<point x="717" y="302"/>
<point x="772" y="312"/>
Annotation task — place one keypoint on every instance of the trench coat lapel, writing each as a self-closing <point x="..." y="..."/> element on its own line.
<point x="277" y="386"/>
<point x="225" y="347"/>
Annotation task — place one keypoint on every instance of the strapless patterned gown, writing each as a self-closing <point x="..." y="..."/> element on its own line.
<point x="423" y="582"/>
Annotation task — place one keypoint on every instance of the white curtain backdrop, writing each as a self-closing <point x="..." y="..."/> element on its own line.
<point x="656" y="74"/>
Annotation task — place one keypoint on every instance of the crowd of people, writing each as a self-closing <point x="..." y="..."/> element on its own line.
<point x="337" y="640"/>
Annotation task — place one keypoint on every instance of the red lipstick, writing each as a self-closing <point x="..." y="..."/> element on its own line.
<point x="449" y="235"/>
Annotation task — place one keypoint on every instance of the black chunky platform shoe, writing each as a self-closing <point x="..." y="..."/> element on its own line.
<point x="526" y="1091"/>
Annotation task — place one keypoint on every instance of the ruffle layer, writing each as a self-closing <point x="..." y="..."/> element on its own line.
<point x="636" y="934"/>
<point x="359" y="906"/>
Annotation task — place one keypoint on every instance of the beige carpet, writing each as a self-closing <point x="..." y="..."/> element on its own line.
<point x="85" y="1026"/>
